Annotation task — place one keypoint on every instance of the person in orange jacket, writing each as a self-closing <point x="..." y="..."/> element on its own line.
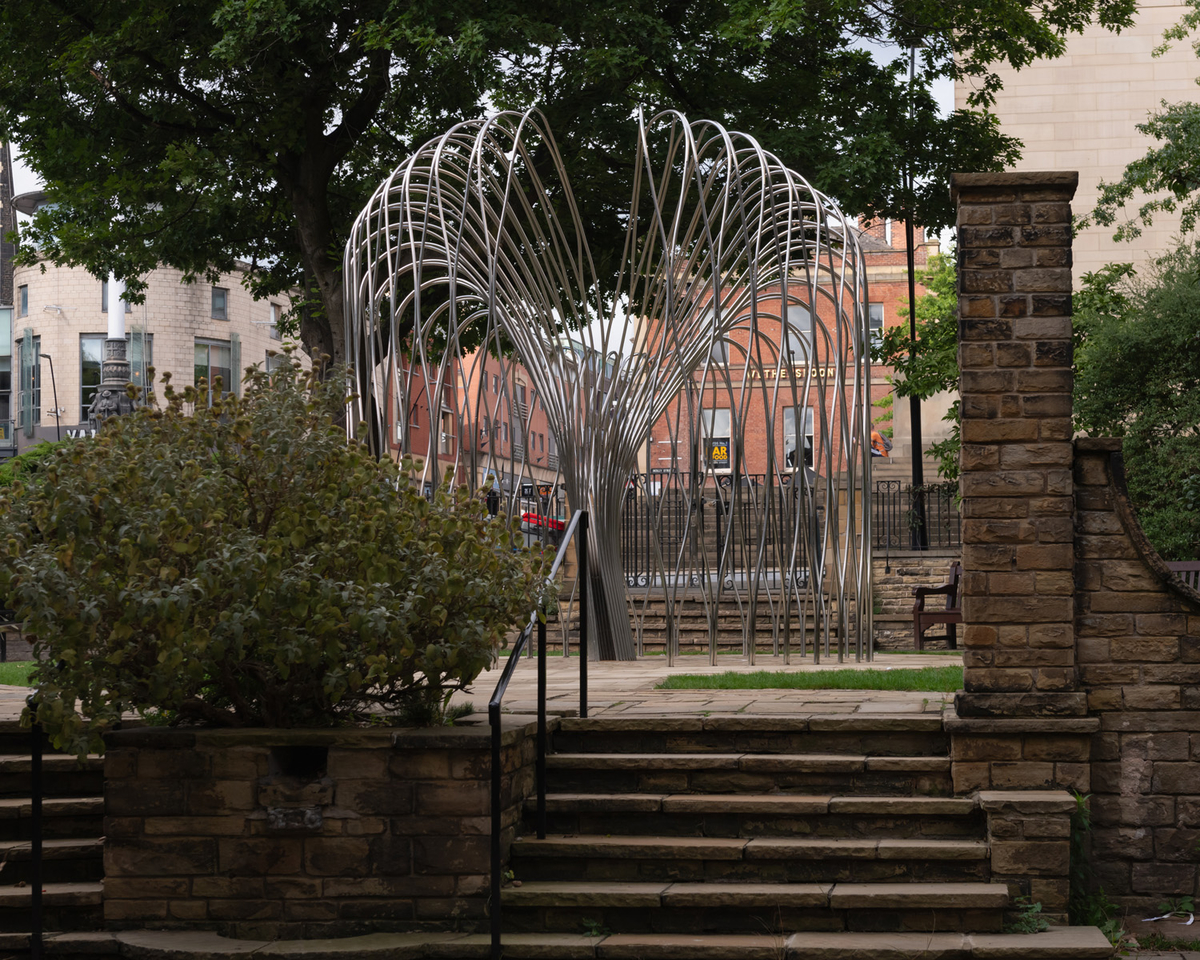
<point x="880" y="445"/>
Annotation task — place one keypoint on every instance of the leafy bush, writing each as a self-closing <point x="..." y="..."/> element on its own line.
<point x="27" y="464"/>
<point x="246" y="565"/>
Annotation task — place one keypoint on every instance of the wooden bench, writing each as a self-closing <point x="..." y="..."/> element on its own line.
<point x="951" y="616"/>
<point x="1186" y="570"/>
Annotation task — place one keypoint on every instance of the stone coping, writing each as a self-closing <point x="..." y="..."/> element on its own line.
<point x="474" y="734"/>
<point x="1026" y="801"/>
<point x="1014" y="725"/>
<point x="1012" y="178"/>
<point x="1076" y="943"/>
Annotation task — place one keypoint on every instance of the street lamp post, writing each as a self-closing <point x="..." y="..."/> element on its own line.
<point x="111" y="398"/>
<point x="54" y="387"/>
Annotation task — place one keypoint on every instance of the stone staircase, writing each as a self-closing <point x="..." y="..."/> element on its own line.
<point x="72" y="828"/>
<point x="691" y="622"/>
<point x="740" y="836"/>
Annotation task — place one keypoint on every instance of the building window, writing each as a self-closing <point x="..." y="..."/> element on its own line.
<point x="274" y="361"/>
<point x="495" y="383"/>
<point x="29" y="349"/>
<point x="7" y="435"/>
<point x="220" y="303"/>
<point x="446" y="440"/>
<point x="214" y="358"/>
<point x="798" y="335"/>
<point x="23" y="300"/>
<point x="104" y="299"/>
<point x="521" y="394"/>
<point x="792" y="460"/>
<point x="718" y="440"/>
<point x="505" y="425"/>
<point x="876" y="317"/>
<point x="276" y="316"/>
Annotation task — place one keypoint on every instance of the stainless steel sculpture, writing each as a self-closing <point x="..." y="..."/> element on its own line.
<point x="470" y="264"/>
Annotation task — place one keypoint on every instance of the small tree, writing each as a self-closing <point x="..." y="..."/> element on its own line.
<point x="1137" y="376"/>
<point x="929" y="365"/>
<point x="245" y="565"/>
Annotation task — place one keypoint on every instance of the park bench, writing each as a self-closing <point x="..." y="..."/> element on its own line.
<point x="1186" y="570"/>
<point x="951" y="616"/>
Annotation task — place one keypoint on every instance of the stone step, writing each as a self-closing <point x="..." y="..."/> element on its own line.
<point x="874" y="735"/>
<point x="62" y="776"/>
<point x="65" y="906"/>
<point x="62" y="817"/>
<point x="723" y="773"/>
<point x="669" y="907"/>
<point x="63" y="861"/>
<point x="756" y="859"/>
<point x="1059" y="943"/>
<point x="742" y="815"/>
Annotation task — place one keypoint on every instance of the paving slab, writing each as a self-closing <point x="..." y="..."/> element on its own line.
<point x="945" y="896"/>
<point x="560" y="893"/>
<point x="877" y="946"/>
<point x="1057" y="943"/>
<point x="664" y="946"/>
<point x="747" y="895"/>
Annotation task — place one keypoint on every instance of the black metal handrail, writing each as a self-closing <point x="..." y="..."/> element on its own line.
<point x="35" y="831"/>
<point x="578" y="528"/>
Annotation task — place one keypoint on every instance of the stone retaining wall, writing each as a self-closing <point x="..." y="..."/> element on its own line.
<point x="895" y="576"/>
<point x="1138" y="633"/>
<point x="1082" y="659"/>
<point x="267" y="834"/>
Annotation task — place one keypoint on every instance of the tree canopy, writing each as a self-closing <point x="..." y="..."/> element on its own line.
<point x="929" y="365"/>
<point x="199" y="134"/>
<point x="1137" y="376"/>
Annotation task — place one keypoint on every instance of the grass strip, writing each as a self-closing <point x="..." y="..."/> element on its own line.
<point x="16" y="673"/>
<point x="937" y="679"/>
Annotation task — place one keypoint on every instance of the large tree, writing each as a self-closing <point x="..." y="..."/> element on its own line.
<point x="200" y="133"/>
<point x="1137" y="376"/>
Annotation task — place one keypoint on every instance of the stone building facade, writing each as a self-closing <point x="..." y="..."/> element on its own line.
<point x="1080" y="112"/>
<point x="188" y="329"/>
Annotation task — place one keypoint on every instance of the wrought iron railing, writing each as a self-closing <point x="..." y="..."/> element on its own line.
<point x="577" y="529"/>
<point x="896" y="507"/>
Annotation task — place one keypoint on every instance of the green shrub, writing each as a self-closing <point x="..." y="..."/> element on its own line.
<point x="246" y="565"/>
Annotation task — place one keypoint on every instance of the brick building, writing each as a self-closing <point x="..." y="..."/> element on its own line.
<point x="783" y="413"/>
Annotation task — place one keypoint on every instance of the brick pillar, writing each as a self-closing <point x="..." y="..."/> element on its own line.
<point x="1014" y="248"/>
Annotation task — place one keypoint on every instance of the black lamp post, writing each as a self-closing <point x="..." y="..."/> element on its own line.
<point x="54" y="388"/>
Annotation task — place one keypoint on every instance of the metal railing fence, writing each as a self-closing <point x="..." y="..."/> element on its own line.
<point x="895" y="508"/>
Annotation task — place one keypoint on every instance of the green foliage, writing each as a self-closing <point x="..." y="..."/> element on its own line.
<point x="196" y="134"/>
<point x="1028" y="917"/>
<point x="1087" y="903"/>
<point x="247" y="566"/>
<point x="1137" y="376"/>
<point x="929" y="365"/>
<point x="27" y="464"/>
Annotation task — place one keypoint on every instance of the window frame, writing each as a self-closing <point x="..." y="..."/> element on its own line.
<point x="209" y="343"/>
<point x="224" y="312"/>
<point x="709" y="417"/>
<point x="23" y="300"/>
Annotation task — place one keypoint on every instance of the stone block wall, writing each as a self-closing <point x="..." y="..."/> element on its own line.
<point x="1082" y="659"/>
<point x="1138" y="633"/>
<point x="270" y="834"/>
<point x="895" y="576"/>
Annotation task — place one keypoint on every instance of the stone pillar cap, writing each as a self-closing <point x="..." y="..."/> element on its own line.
<point x="1064" y="179"/>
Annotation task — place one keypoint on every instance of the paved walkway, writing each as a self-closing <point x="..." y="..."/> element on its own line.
<point x="627" y="688"/>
